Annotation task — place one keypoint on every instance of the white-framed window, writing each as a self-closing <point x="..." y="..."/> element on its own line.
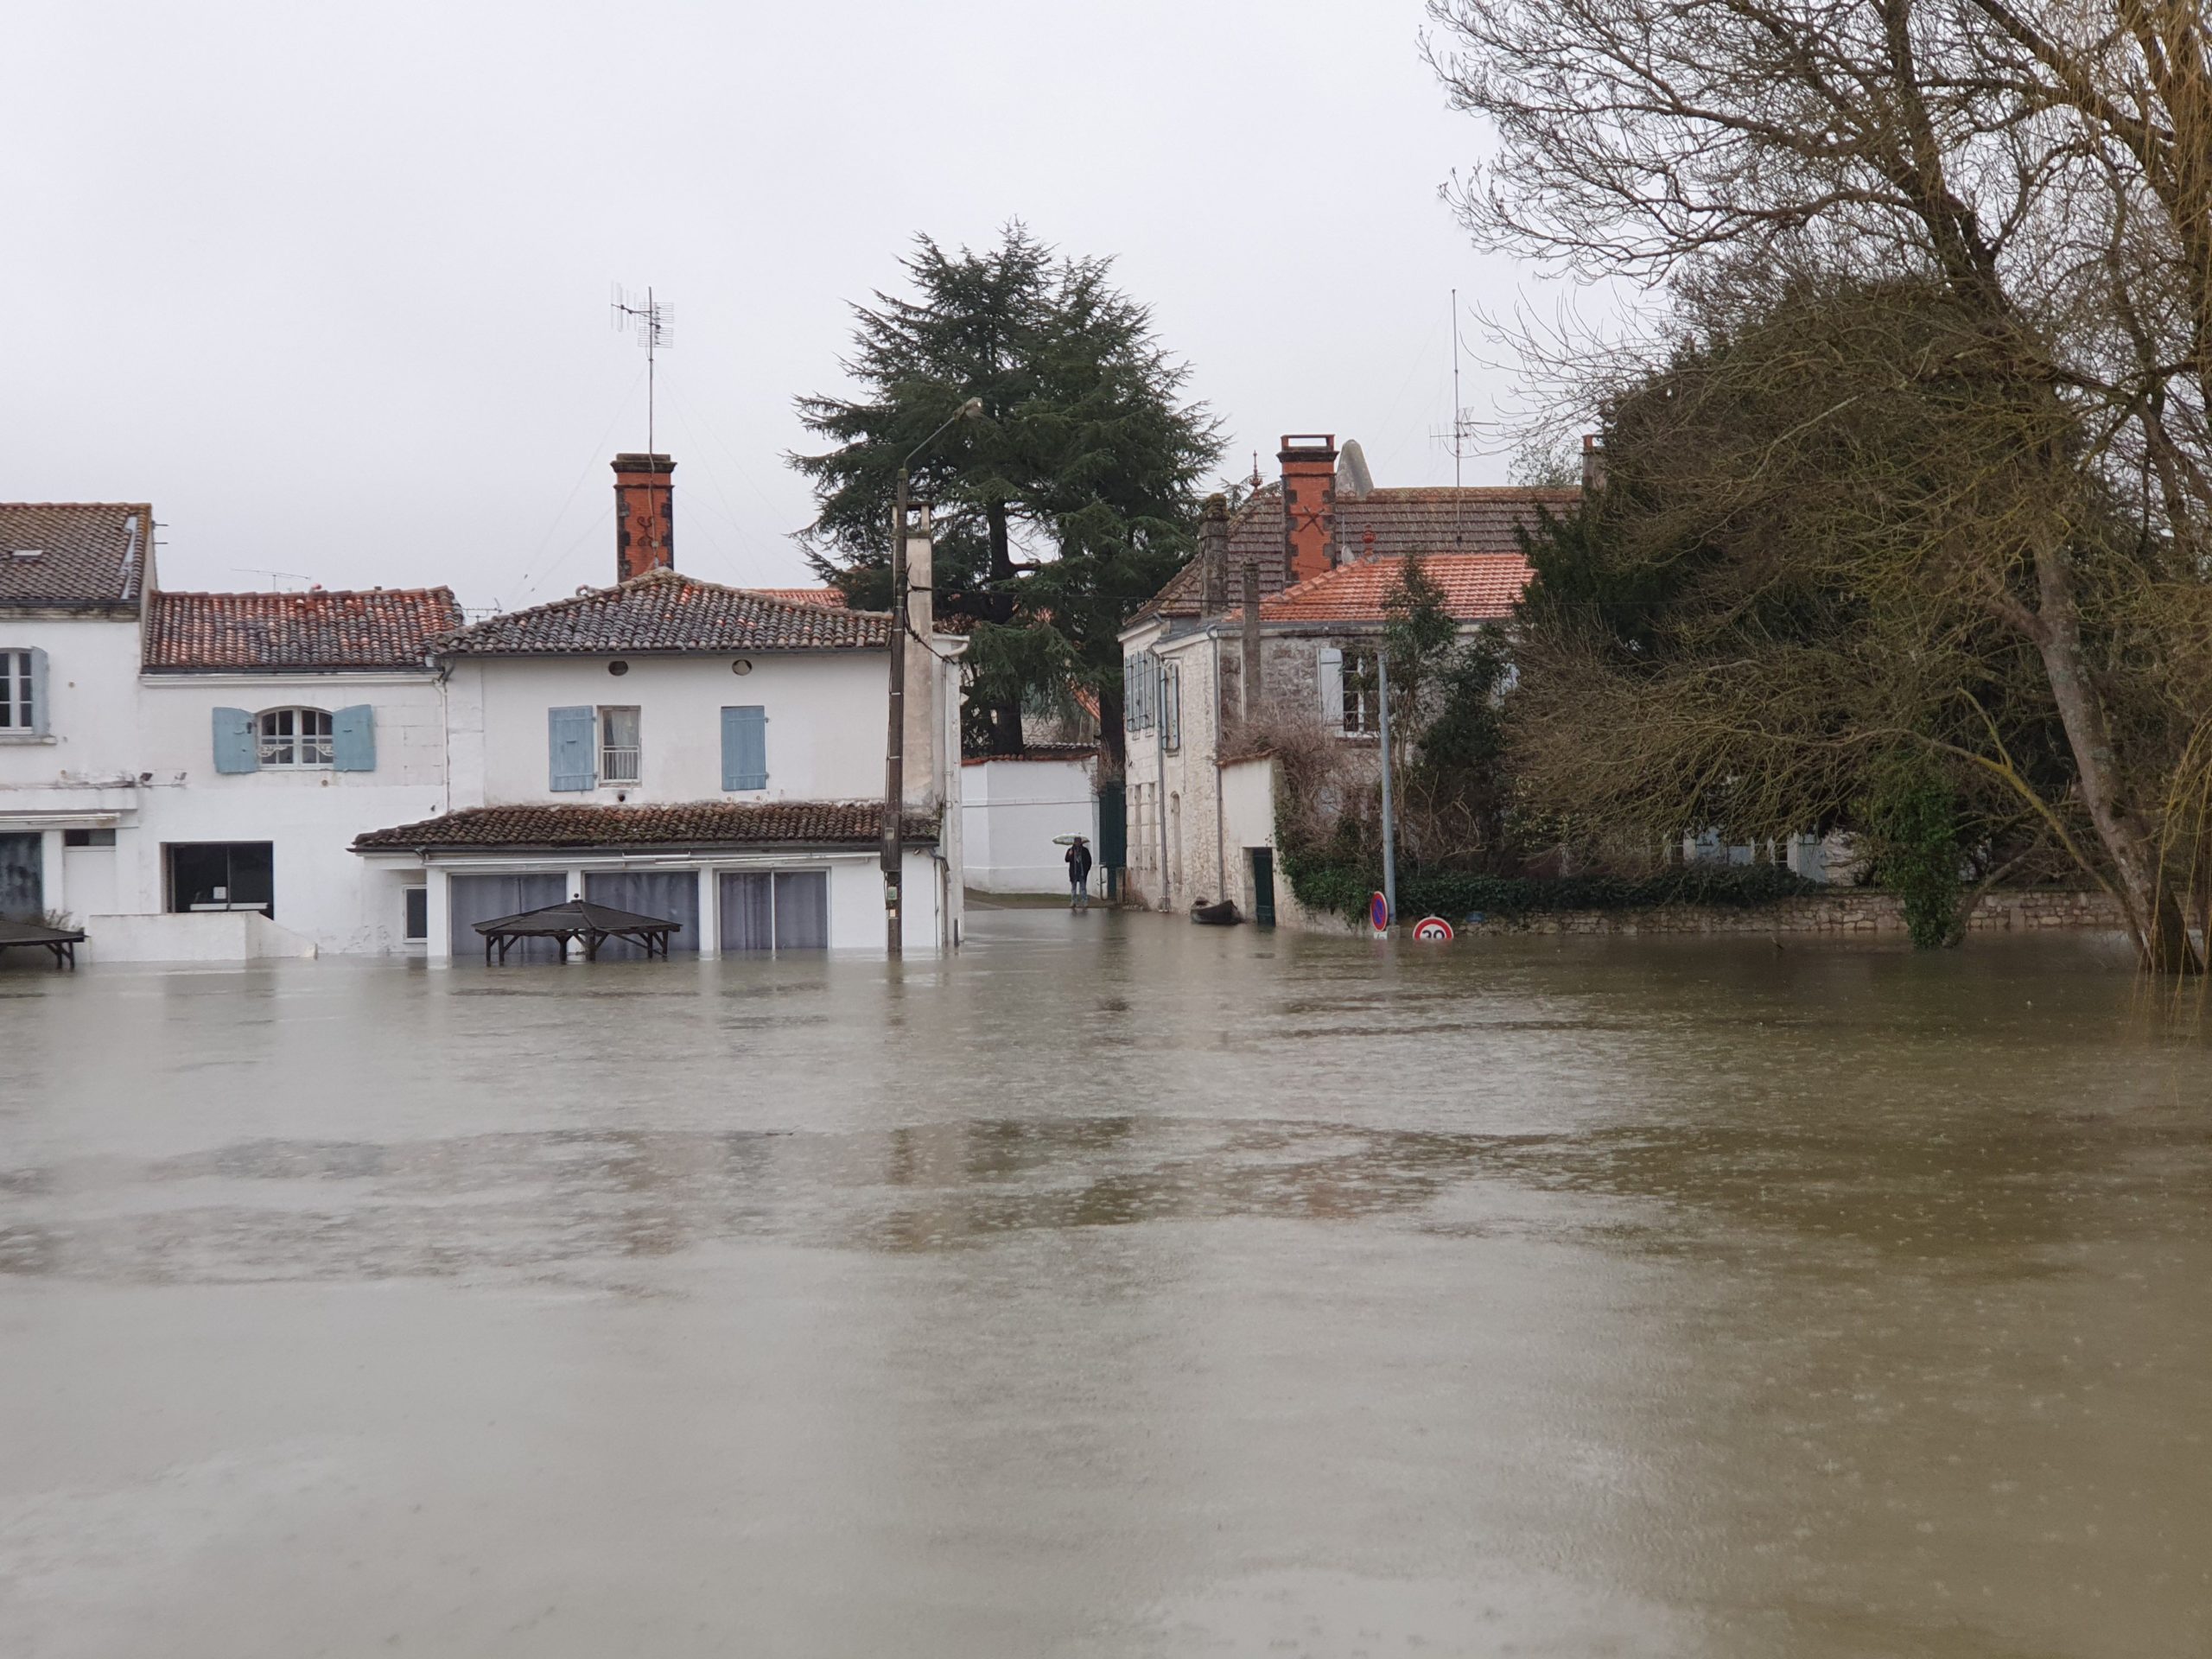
<point x="417" y="915"/>
<point x="19" y="692"/>
<point x="1363" y="711"/>
<point x="293" y="737"/>
<point x="618" y="745"/>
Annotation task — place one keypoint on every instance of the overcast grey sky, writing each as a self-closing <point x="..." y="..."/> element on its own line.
<point x="329" y="285"/>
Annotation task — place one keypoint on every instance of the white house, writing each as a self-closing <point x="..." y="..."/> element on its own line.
<point x="72" y="581"/>
<point x="676" y="748"/>
<point x="217" y="777"/>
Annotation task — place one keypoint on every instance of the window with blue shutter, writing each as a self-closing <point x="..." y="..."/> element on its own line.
<point x="41" y="721"/>
<point x="235" y="749"/>
<point x="569" y="733"/>
<point x="1331" y="677"/>
<point x="353" y="739"/>
<point x="745" y="747"/>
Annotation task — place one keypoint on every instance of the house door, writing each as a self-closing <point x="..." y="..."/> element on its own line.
<point x="1263" y="885"/>
<point x="22" y="878"/>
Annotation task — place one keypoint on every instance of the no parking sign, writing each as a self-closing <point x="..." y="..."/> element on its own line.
<point x="1378" y="913"/>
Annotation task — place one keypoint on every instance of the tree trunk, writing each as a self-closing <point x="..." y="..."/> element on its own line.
<point x="1005" y="714"/>
<point x="2154" y="910"/>
<point x="1113" y="756"/>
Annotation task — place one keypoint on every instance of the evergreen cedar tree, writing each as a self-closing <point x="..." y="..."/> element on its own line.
<point x="1069" y="502"/>
<point x="2042" y="170"/>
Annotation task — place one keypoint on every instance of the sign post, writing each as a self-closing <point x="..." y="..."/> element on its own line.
<point x="1378" y="915"/>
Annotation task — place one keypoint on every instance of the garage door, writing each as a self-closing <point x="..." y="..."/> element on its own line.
<point x="483" y="898"/>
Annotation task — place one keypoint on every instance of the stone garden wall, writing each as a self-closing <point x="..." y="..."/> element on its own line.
<point x="1849" y="910"/>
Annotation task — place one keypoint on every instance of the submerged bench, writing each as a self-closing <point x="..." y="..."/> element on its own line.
<point x="62" y="941"/>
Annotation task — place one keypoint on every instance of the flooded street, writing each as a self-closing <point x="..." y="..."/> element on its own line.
<point x="1119" y="1288"/>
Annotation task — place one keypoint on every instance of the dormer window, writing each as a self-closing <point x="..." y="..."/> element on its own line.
<point x="295" y="737"/>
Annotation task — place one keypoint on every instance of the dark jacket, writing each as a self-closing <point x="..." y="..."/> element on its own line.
<point x="1079" y="863"/>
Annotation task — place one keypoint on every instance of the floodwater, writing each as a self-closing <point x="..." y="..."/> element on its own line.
<point x="1119" y="1288"/>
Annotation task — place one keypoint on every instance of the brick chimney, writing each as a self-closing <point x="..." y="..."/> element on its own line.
<point x="1309" y="502"/>
<point x="645" y="515"/>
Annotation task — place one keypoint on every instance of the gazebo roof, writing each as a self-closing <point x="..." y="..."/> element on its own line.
<point x="574" y="916"/>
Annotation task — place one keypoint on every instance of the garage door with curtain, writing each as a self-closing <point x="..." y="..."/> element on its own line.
<point x="780" y="910"/>
<point x="482" y="897"/>
<point x="665" y="895"/>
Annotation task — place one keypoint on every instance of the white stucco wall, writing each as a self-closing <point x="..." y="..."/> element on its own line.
<point x="324" y="891"/>
<point x="825" y="724"/>
<point x="1011" y="811"/>
<point x="93" y="673"/>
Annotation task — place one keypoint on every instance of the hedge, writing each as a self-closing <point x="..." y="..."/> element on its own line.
<point x="1344" y="889"/>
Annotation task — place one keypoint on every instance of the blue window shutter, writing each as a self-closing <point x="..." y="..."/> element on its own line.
<point x="235" y="750"/>
<point x="41" y="722"/>
<point x="353" y="739"/>
<point x="1331" y="677"/>
<point x="569" y="734"/>
<point x="745" y="747"/>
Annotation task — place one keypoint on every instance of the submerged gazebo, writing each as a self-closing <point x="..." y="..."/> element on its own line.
<point x="578" y="918"/>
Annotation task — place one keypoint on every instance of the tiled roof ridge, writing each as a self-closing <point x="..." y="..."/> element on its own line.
<point x="663" y="576"/>
<point x="669" y="823"/>
<point x="48" y="506"/>
<point x="441" y="591"/>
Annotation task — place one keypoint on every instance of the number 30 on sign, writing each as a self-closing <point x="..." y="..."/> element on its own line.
<point x="1433" y="929"/>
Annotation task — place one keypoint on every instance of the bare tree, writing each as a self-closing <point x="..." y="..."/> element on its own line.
<point x="2050" y="173"/>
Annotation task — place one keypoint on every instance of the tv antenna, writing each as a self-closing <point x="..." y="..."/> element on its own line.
<point x="654" y="320"/>
<point x="1456" y="434"/>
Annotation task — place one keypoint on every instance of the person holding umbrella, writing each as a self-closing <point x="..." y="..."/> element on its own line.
<point x="1078" y="873"/>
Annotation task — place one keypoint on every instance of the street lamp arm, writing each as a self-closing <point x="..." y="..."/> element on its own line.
<point x="967" y="411"/>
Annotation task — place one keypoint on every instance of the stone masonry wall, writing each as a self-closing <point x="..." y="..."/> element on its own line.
<point x="1848" y="911"/>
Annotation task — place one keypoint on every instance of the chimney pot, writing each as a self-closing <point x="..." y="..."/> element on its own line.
<point x="645" y="515"/>
<point x="1309" y="504"/>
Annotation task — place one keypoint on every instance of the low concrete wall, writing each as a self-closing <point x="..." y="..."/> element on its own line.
<point x="209" y="936"/>
<point x="1847" y="911"/>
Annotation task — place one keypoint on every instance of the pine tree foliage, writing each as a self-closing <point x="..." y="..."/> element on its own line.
<point x="1068" y="503"/>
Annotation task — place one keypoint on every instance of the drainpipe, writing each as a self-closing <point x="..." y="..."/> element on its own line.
<point x="1220" y="833"/>
<point x="1160" y="775"/>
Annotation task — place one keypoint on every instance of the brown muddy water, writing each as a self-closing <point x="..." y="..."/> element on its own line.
<point x="1118" y="1289"/>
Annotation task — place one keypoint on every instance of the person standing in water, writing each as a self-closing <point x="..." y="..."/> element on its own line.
<point x="1079" y="876"/>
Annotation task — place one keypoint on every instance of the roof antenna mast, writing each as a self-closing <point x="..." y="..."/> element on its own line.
<point x="1458" y="426"/>
<point x="654" y="320"/>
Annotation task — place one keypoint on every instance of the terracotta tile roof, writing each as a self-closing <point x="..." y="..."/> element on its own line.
<point x="384" y="627"/>
<point x="91" y="554"/>
<point x="667" y="611"/>
<point x="1381" y="525"/>
<point x="692" y="823"/>
<point x="1477" y="587"/>
<point x="832" y="597"/>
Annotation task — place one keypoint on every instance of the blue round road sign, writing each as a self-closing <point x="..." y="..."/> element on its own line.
<point x="1378" y="913"/>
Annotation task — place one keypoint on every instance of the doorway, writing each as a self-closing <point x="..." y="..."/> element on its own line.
<point x="1264" y="884"/>
<point x="22" y="878"/>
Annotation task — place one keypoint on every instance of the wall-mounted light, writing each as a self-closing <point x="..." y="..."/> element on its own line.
<point x="742" y="665"/>
<point x="617" y="668"/>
